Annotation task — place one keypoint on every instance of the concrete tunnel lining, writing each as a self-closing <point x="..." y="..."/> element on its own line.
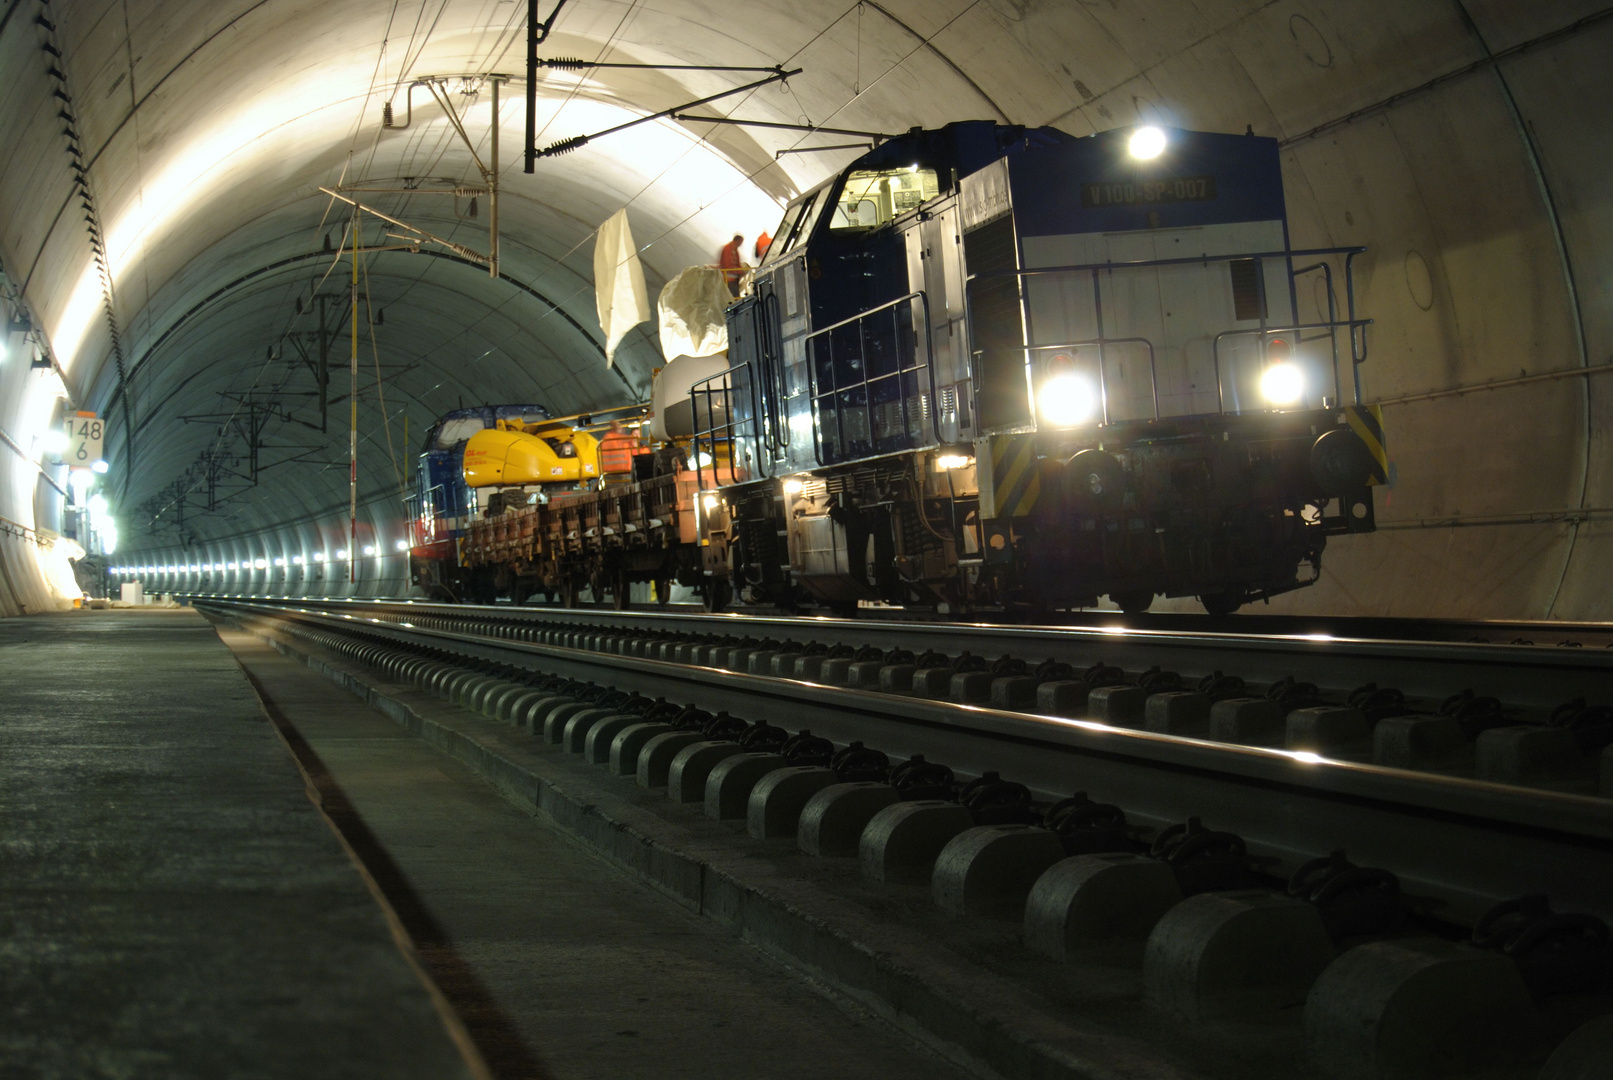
<point x="208" y="128"/>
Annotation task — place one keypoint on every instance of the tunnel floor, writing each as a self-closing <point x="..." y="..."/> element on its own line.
<point x="172" y="904"/>
<point x="560" y="965"/>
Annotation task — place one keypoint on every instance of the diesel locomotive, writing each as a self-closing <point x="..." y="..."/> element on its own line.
<point x="988" y="366"/>
<point x="983" y="368"/>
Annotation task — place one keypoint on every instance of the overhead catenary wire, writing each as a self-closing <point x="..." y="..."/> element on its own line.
<point x="414" y="51"/>
<point x="560" y="260"/>
<point x="495" y="56"/>
<point x="380" y="390"/>
<point x="747" y="177"/>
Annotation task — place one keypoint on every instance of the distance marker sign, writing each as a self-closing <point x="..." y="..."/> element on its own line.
<point x="83" y="439"/>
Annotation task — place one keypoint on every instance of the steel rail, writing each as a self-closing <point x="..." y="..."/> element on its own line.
<point x="1458" y="845"/>
<point x="1530" y="679"/>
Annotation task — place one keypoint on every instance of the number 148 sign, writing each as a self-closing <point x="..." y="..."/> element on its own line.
<point x="83" y="439"/>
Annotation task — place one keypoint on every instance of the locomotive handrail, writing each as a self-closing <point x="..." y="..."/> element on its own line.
<point x="772" y="436"/>
<point x="1338" y="389"/>
<point x="1186" y="260"/>
<point x="424" y="523"/>
<point x="929" y="368"/>
<point x="1355" y="327"/>
<point x="1349" y="300"/>
<point x="729" y="434"/>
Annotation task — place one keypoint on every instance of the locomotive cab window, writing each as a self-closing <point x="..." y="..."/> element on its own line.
<point x="874" y="197"/>
<point x="450" y="433"/>
<point x="793" y="229"/>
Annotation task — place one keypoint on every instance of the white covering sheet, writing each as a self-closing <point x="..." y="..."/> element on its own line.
<point x="691" y="313"/>
<point x="619" y="290"/>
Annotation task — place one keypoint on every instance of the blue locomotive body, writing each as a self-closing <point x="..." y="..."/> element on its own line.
<point x="986" y="365"/>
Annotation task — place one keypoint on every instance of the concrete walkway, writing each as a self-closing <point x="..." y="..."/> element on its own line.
<point x="172" y="904"/>
<point x="561" y="965"/>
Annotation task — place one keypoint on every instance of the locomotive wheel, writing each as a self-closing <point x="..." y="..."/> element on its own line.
<point x="663" y="590"/>
<point x="1134" y="601"/>
<point x="717" y="593"/>
<point x="1222" y="603"/>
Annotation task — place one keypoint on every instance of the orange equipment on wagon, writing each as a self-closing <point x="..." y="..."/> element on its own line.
<point x="617" y="449"/>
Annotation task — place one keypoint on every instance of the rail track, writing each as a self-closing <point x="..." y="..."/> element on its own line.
<point x="1461" y="771"/>
<point x="1535" y="811"/>
<point x="1442" y="671"/>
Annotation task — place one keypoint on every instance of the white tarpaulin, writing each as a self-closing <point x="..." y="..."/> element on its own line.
<point x="691" y="313"/>
<point x="619" y="289"/>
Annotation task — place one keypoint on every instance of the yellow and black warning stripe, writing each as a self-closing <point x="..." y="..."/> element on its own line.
<point x="1367" y="423"/>
<point x="1016" y="475"/>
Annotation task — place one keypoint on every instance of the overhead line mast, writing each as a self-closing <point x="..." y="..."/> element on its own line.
<point x="352" y="434"/>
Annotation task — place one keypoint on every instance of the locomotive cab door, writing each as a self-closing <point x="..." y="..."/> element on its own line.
<point x="996" y="316"/>
<point x="935" y="267"/>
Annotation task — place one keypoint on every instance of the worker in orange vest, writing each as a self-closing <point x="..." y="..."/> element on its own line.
<point x="731" y="264"/>
<point x="763" y="242"/>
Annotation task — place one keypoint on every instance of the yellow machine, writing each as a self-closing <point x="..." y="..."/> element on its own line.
<point x="513" y="453"/>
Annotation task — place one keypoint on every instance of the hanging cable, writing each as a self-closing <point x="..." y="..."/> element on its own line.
<point x="380" y="391"/>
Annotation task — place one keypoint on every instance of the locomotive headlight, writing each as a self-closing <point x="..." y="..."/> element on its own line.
<point x="1282" y="384"/>
<point x="710" y="502"/>
<point x="1067" y="401"/>
<point x="793" y="487"/>
<point x="1146" y="143"/>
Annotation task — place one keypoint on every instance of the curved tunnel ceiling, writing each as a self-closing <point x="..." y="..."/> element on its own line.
<point x="1458" y="140"/>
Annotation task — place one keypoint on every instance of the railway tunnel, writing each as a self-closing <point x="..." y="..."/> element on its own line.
<point x="251" y="252"/>
<point x="1456" y="143"/>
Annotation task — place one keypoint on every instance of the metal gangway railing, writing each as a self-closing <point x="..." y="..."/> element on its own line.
<point x="870" y="383"/>
<point x="1346" y="337"/>
<point x="871" y="386"/>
